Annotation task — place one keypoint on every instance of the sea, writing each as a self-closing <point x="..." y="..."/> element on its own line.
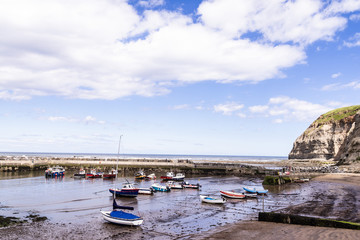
<point x="195" y="158"/>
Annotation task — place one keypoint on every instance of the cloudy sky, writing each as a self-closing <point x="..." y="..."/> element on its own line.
<point x="229" y="77"/>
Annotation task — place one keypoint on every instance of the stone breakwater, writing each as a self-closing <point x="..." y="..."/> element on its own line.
<point x="24" y="163"/>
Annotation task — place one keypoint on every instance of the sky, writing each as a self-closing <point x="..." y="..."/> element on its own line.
<point x="215" y="77"/>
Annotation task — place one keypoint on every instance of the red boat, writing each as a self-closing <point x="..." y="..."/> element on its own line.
<point x="94" y="174"/>
<point x="169" y="176"/>
<point x="111" y="174"/>
<point x="232" y="194"/>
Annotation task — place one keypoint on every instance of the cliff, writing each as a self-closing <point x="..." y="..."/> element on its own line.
<point x="334" y="135"/>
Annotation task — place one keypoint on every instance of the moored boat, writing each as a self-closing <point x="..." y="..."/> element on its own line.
<point x="110" y="174"/>
<point x="55" y="172"/>
<point x="160" y="188"/>
<point x="169" y="176"/>
<point x="230" y="194"/>
<point x="127" y="190"/>
<point x="209" y="199"/>
<point x="174" y="185"/>
<point x="121" y="217"/>
<point x="190" y="185"/>
<point x="80" y="174"/>
<point x="151" y="176"/>
<point x="179" y="177"/>
<point x="94" y="174"/>
<point x="140" y="175"/>
<point x="255" y="191"/>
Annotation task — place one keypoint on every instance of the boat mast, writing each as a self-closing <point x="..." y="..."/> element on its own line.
<point x="117" y="162"/>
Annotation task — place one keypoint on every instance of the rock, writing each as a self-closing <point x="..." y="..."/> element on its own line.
<point x="334" y="135"/>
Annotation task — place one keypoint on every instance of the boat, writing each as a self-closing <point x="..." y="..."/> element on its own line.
<point x="147" y="191"/>
<point x="110" y="174"/>
<point x="230" y="194"/>
<point x="251" y="195"/>
<point x="140" y="175"/>
<point x="190" y="185"/>
<point x="151" y="176"/>
<point x="127" y="190"/>
<point x="179" y="177"/>
<point x="121" y="217"/>
<point x="80" y="174"/>
<point x="255" y="191"/>
<point x="169" y="176"/>
<point x="208" y="199"/>
<point x="160" y="188"/>
<point x="94" y="174"/>
<point x="174" y="185"/>
<point x="55" y="172"/>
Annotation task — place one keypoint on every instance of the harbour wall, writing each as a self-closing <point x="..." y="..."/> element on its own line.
<point x="12" y="164"/>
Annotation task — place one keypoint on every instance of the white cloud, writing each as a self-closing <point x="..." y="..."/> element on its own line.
<point x="354" y="41"/>
<point x="86" y="120"/>
<point x="354" y="17"/>
<point x="258" y="109"/>
<point x="151" y="3"/>
<point x="92" y="49"/>
<point x="228" y="108"/>
<point x="291" y="109"/>
<point x="182" y="106"/>
<point x="341" y="86"/>
<point x="336" y="75"/>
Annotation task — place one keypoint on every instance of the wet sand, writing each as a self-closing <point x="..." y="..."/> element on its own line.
<point x="179" y="214"/>
<point x="338" y="199"/>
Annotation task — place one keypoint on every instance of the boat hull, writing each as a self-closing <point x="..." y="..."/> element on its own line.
<point x="122" y="221"/>
<point x="232" y="194"/>
<point x="125" y="192"/>
<point x="207" y="199"/>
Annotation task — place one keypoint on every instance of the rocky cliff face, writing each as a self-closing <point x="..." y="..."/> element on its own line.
<point x="334" y="135"/>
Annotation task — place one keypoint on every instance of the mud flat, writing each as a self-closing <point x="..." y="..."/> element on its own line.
<point x="332" y="196"/>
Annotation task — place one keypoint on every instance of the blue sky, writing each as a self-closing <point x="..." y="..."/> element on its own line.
<point x="227" y="77"/>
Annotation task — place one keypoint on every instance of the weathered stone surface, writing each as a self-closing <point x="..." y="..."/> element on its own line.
<point x="334" y="135"/>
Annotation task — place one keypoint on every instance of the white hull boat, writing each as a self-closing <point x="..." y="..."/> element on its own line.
<point x="230" y="194"/>
<point x="121" y="217"/>
<point x="208" y="199"/>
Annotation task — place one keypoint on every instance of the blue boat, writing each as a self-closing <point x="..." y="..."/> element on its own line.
<point x="255" y="191"/>
<point x="121" y="217"/>
<point x="127" y="190"/>
<point x="160" y="188"/>
<point x="55" y="172"/>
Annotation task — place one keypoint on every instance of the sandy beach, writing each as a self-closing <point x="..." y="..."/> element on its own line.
<point x="334" y="196"/>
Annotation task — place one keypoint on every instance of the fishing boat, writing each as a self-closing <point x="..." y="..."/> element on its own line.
<point x="208" y="199"/>
<point x="55" y="172"/>
<point x="179" y="177"/>
<point x="190" y="185"/>
<point x="160" y="188"/>
<point x="147" y="191"/>
<point x="140" y="175"/>
<point x="174" y="185"/>
<point x="255" y="191"/>
<point x="110" y="174"/>
<point x="127" y="190"/>
<point x="121" y="217"/>
<point x="169" y="176"/>
<point x="94" y="174"/>
<point x="80" y="174"/>
<point x="151" y="176"/>
<point x="230" y="194"/>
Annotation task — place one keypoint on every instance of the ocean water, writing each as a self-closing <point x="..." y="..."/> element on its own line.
<point x="195" y="158"/>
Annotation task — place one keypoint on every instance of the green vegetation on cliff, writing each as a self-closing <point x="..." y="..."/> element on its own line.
<point x="338" y="114"/>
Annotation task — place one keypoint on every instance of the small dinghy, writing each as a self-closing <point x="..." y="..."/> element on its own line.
<point x="230" y="194"/>
<point x="174" y="185"/>
<point x="251" y="195"/>
<point x="190" y="185"/>
<point x="121" y="217"/>
<point x="208" y="199"/>
<point x="255" y="191"/>
<point x="150" y="176"/>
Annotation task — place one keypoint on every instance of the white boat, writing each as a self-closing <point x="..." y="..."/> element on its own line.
<point x="160" y="188"/>
<point x="208" y="199"/>
<point x="169" y="176"/>
<point x="251" y="195"/>
<point x="174" y="185"/>
<point x="179" y="177"/>
<point x="147" y="191"/>
<point x="151" y="176"/>
<point x="121" y="217"/>
<point x="230" y="194"/>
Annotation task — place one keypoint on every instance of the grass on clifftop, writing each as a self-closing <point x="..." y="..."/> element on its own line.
<point x="338" y="114"/>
